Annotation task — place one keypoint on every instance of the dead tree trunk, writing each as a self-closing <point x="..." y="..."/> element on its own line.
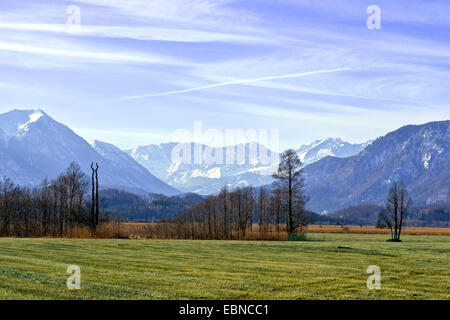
<point x="96" y="196"/>
<point x="94" y="203"/>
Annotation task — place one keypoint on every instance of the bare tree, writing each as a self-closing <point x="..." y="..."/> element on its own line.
<point x="276" y="207"/>
<point x="397" y="204"/>
<point x="94" y="197"/>
<point x="289" y="178"/>
<point x="263" y="204"/>
<point x="6" y="189"/>
<point x="44" y="202"/>
<point x="248" y="208"/>
<point x="54" y="208"/>
<point x="223" y="196"/>
<point x="77" y="185"/>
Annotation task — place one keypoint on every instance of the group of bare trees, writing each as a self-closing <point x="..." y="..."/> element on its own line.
<point x="397" y="205"/>
<point x="54" y="208"/>
<point x="232" y="214"/>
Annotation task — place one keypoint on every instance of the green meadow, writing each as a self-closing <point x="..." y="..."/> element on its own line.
<point x="326" y="266"/>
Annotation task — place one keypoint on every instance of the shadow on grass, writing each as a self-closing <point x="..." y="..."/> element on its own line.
<point x="305" y="237"/>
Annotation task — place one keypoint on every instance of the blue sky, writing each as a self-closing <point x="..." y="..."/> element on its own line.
<point x="138" y="70"/>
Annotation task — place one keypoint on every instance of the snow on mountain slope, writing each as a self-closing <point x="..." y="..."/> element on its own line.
<point x="328" y="147"/>
<point x="33" y="146"/>
<point x="207" y="178"/>
<point x="417" y="155"/>
<point x="136" y="175"/>
<point x="254" y="170"/>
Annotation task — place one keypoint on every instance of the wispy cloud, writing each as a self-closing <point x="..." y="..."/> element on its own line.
<point x="146" y="33"/>
<point x="199" y="12"/>
<point x="411" y="11"/>
<point x="98" y="56"/>
<point x="287" y="62"/>
<point x="229" y="83"/>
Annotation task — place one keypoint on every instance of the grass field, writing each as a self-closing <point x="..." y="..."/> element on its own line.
<point x="146" y="230"/>
<point x="373" y="230"/>
<point x="330" y="266"/>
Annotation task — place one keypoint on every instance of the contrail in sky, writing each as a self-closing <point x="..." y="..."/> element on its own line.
<point x="229" y="83"/>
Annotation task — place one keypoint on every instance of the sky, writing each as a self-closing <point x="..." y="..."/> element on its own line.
<point x="134" y="72"/>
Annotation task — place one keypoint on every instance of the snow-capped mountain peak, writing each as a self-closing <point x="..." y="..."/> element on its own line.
<point x="335" y="147"/>
<point x="15" y="121"/>
<point x="416" y="155"/>
<point x="33" y="117"/>
<point x="206" y="177"/>
<point x="253" y="169"/>
<point x="34" y="146"/>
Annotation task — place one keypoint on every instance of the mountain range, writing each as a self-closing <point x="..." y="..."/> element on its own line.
<point x="338" y="174"/>
<point x="33" y="146"/>
<point x="254" y="169"/>
<point x="417" y="155"/>
<point x="329" y="147"/>
<point x="206" y="178"/>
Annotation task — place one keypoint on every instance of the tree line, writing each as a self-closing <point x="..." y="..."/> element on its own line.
<point x="154" y="207"/>
<point x="281" y="207"/>
<point x="58" y="207"/>
<point x="54" y="208"/>
<point x="233" y="214"/>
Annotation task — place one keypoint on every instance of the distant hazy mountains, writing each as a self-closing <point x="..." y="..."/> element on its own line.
<point x="418" y="155"/>
<point x="328" y="147"/>
<point x="33" y="146"/>
<point x="206" y="178"/>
